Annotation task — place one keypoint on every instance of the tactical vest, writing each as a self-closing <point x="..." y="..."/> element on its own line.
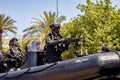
<point x="59" y="47"/>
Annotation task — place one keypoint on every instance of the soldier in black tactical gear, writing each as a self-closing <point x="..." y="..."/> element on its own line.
<point x="105" y="48"/>
<point x="13" y="57"/>
<point x="2" y="67"/>
<point x="55" y="44"/>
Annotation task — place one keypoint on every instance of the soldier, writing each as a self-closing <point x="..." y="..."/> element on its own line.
<point x="1" y="62"/>
<point x="105" y="48"/>
<point x="13" y="57"/>
<point x="55" y="44"/>
<point x="1" y="55"/>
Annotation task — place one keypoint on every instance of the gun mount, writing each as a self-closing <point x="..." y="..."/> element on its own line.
<point x="75" y="41"/>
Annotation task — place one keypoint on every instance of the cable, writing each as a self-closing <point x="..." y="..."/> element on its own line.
<point x="117" y="54"/>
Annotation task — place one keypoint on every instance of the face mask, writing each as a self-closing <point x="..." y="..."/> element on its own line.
<point x="56" y="30"/>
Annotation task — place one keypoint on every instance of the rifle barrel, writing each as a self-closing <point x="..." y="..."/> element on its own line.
<point x="72" y="39"/>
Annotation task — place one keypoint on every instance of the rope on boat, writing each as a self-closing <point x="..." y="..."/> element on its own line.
<point x="28" y="71"/>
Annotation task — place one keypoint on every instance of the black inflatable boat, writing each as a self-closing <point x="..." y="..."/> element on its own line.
<point x="98" y="66"/>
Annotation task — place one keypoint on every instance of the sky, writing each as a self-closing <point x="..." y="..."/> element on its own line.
<point x="24" y="10"/>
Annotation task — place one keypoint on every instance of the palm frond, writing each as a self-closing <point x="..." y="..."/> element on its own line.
<point x="30" y="28"/>
<point x="42" y="29"/>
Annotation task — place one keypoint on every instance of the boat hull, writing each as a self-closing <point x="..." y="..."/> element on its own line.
<point x="94" y="66"/>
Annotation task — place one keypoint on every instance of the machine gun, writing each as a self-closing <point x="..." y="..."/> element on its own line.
<point x="75" y="41"/>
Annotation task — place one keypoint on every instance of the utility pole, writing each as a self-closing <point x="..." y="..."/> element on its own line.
<point x="57" y="11"/>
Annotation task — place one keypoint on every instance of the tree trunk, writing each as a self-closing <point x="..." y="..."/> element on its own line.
<point x="0" y="42"/>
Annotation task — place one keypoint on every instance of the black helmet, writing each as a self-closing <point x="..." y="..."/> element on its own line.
<point x="11" y="42"/>
<point x="54" y="26"/>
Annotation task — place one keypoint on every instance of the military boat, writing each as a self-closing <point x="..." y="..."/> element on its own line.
<point x="105" y="66"/>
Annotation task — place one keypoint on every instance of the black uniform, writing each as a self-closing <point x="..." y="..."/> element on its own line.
<point x="14" y="56"/>
<point x="55" y="44"/>
<point x="54" y="48"/>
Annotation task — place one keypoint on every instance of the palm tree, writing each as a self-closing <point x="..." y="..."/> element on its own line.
<point x="6" y="25"/>
<point x="41" y="26"/>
